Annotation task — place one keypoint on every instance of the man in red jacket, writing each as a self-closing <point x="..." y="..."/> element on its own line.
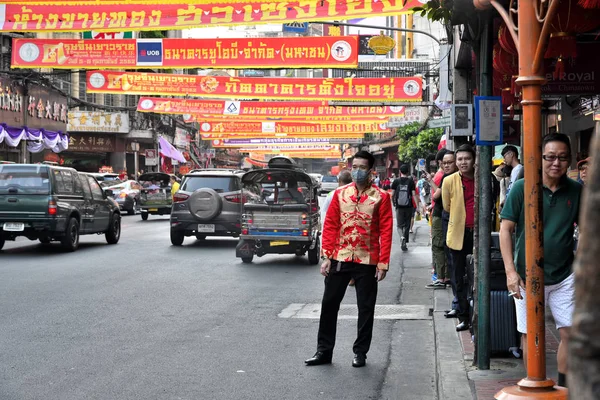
<point x="357" y="240"/>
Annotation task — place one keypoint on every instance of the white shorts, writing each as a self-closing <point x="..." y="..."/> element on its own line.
<point x="561" y="300"/>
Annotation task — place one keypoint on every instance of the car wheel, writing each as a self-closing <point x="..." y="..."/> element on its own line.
<point x="113" y="234"/>
<point x="144" y="216"/>
<point x="177" y="238"/>
<point x="200" y="237"/>
<point x="248" y="260"/>
<point x="1" y="242"/>
<point x="133" y="208"/>
<point x="313" y="255"/>
<point x="70" y="241"/>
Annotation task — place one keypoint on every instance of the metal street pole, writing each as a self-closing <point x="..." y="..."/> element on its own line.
<point x="381" y="28"/>
<point x="485" y="207"/>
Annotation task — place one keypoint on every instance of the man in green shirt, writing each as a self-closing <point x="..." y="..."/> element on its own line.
<point x="561" y="197"/>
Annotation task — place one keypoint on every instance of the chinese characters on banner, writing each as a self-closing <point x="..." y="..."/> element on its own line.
<point x="334" y="135"/>
<point x="155" y="17"/>
<point x="268" y="142"/>
<point x="289" y="127"/>
<point x="260" y="109"/>
<point x="289" y="52"/>
<point x="91" y="143"/>
<point x="328" y="89"/>
<point x="98" y="121"/>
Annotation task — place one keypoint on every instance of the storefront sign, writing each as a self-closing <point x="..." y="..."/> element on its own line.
<point x="285" y="52"/>
<point x="182" y="139"/>
<point x="91" y="143"/>
<point x="580" y="75"/>
<point x="44" y="108"/>
<point x="289" y="127"/>
<point x="151" y="158"/>
<point x="85" y="16"/>
<point x="411" y="114"/>
<point x="191" y="108"/>
<point x="366" y="89"/>
<point x="98" y="121"/>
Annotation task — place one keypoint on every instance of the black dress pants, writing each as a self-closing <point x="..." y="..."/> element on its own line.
<point x="335" y="289"/>
<point x="403" y="217"/>
<point x="459" y="263"/>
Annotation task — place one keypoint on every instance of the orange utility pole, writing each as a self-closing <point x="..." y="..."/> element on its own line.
<point x="534" y="21"/>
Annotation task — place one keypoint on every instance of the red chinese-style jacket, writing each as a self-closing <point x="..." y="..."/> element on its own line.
<point x="358" y="227"/>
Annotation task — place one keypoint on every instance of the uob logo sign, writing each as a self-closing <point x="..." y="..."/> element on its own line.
<point x="149" y="52"/>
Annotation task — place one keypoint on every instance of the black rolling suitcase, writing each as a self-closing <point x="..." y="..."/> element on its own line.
<point x="504" y="337"/>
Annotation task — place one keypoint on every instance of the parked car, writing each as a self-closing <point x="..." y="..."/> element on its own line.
<point x="209" y="203"/>
<point x="328" y="184"/>
<point x="126" y="194"/>
<point x="155" y="195"/>
<point x="50" y="203"/>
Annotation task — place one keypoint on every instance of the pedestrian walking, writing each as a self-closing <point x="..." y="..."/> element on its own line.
<point x="561" y="199"/>
<point x="403" y="195"/>
<point x="437" y="235"/>
<point x="357" y="241"/>
<point x="458" y="197"/>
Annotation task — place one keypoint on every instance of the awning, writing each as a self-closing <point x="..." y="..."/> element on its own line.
<point x="37" y="139"/>
<point x="167" y="150"/>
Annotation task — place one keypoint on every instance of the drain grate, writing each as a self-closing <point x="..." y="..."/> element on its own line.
<point x="350" y="311"/>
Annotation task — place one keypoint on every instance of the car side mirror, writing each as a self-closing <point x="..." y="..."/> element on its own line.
<point x="108" y="192"/>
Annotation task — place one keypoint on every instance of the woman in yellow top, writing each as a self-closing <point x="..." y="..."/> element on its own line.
<point x="174" y="185"/>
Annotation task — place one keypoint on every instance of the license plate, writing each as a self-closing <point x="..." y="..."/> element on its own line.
<point x="153" y="209"/>
<point x="14" y="226"/>
<point x="278" y="243"/>
<point x="206" y="228"/>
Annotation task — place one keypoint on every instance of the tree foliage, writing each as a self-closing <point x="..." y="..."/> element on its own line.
<point x="417" y="143"/>
<point x="436" y="10"/>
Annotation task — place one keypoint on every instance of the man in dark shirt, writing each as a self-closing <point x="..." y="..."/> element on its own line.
<point x="561" y="198"/>
<point x="403" y="195"/>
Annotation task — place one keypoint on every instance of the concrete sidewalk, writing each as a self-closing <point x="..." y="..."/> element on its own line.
<point x="456" y="377"/>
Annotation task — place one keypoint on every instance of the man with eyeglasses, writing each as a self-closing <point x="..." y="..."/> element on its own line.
<point x="561" y="199"/>
<point x="357" y="241"/>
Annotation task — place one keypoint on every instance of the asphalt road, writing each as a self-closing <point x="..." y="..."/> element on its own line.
<point x="145" y="320"/>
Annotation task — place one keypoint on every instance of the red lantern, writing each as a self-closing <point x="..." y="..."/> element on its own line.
<point x="506" y="41"/>
<point x="570" y="19"/>
<point x="504" y="62"/>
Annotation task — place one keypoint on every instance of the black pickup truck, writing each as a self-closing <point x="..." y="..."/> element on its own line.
<point x="50" y="203"/>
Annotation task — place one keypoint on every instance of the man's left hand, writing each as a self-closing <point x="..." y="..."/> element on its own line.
<point x="380" y="274"/>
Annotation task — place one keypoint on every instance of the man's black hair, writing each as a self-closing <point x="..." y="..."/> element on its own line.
<point x="345" y="177"/>
<point x="365" y="155"/>
<point x="404" y="169"/>
<point x="440" y="155"/>
<point x="512" y="148"/>
<point x="448" y="152"/>
<point x="556" y="137"/>
<point x="467" y="149"/>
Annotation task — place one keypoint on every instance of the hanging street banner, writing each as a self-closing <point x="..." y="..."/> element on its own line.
<point x="290" y="127"/>
<point x="281" y="142"/>
<point x="327" y="89"/>
<point x="124" y="16"/>
<point x="298" y="147"/>
<point x="213" y="136"/>
<point x="315" y="120"/>
<point x="285" y="52"/>
<point x="192" y="108"/>
<point x="297" y="153"/>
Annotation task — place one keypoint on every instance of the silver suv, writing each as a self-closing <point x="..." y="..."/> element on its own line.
<point x="208" y="203"/>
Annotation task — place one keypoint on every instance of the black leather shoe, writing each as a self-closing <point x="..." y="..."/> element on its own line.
<point x="360" y="360"/>
<point x="319" y="358"/>
<point x="463" y="326"/>
<point x="451" y="314"/>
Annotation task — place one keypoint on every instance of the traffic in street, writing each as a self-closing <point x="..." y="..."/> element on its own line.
<point x="143" y="319"/>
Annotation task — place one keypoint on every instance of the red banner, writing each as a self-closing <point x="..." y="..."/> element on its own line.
<point x="287" y="52"/>
<point x="289" y="127"/>
<point x="155" y="17"/>
<point x="245" y="135"/>
<point x="193" y="108"/>
<point x="365" y="89"/>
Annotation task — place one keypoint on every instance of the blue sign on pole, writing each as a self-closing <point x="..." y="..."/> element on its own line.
<point x="488" y="120"/>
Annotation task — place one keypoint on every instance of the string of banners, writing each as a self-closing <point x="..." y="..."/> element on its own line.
<point x="326" y="89"/>
<point x="31" y="16"/>
<point x="262" y="109"/>
<point x="288" y="52"/>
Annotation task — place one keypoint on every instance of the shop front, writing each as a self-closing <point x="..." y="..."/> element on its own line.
<point x="32" y="121"/>
<point x="96" y="141"/>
